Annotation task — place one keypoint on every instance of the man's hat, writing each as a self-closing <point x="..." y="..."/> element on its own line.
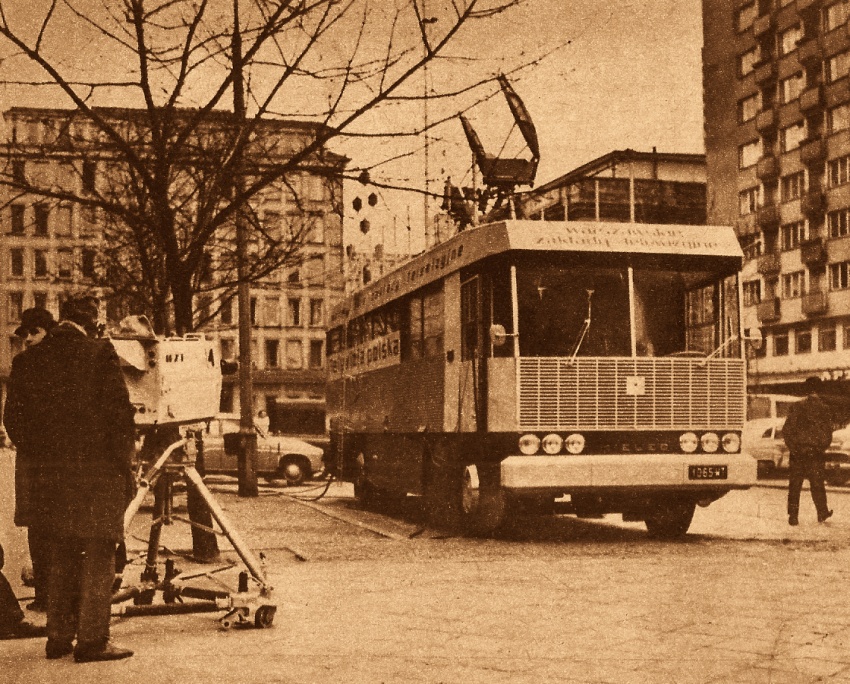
<point x="80" y="310"/>
<point x="35" y="318"/>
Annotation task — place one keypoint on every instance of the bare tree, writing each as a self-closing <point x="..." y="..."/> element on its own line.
<point x="158" y="169"/>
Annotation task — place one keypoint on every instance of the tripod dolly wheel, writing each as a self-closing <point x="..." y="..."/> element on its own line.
<point x="264" y="616"/>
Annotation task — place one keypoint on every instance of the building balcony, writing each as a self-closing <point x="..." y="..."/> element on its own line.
<point x="813" y="151"/>
<point x="810" y="52"/>
<point x="815" y="303"/>
<point x="813" y="203"/>
<point x="768" y="217"/>
<point x="837" y="93"/>
<point x="767" y="168"/>
<point x="811" y="99"/>
<point x="804" y="5"/>
<point x="813" y="252"/>
<point x="768" y="310"/>
<point x="769" y="264"/>
<point x="765" y="73"/>
<point x="762" y="25"/>
<point x="766" y="121"/>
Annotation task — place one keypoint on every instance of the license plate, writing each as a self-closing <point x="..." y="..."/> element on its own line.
<point x="707" y="472"/>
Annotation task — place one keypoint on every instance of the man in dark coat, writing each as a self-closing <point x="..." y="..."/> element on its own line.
<point x="68" y="407"/>
<point x="808" y="434"/>
<point x="35" y="324"/>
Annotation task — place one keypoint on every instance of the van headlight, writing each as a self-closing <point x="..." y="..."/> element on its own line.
<point x="688" y="442"/>
<point x="529" y="444"/>
<point x="731" y="443"/>
<point x="710" y="442"/>
<point x="552" y="444"/>
<point x="575" y="443"/>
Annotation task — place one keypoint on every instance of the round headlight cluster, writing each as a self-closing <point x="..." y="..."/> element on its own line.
<point x="551" y="444"/>
<point x="710" y="442"/>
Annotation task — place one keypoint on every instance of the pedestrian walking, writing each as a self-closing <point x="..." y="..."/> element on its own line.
<point x="36" y="323"/>
<point x="808" y="434"/>
<point x="68" y="407"/>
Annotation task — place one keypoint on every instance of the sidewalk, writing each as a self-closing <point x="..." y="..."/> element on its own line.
<point x="604" y="607"/>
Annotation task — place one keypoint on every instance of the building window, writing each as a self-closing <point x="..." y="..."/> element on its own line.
<point x="846" y="336"/>
<point x="226" y="403"/>
<point x="89" y="171"/>
<point x="17" y="219"/>
<point x="294" y="311"/>
<point x="16" y="263"/>
<point x="87" y="263"/>
<point x="294" y="277"/>
<point x="792" y="186"/>
<point x="748" y="201"/>
<point x="791" y="137"/>
<point x="748" y="108"/>
<point x="792" y="87"/>
<point x="838" y="118"/>
<point x="253" y="311"/>
<point x="294" y="354"/>
<point x="834" y="15"/>
<point x="749" y="154"/>
<point x="826" y="338"/>
<point x="837" y="66"/>
<point x="838" y="171"/>
<point x="272" y="353"/>
<point x="839" y="276"/>
<point x="39" y="299"/>
<point x="228" y="348"/>
<point x="317" y="313"/>
<point x="751" y="246"/>
<point x="16" y="306"/>
<point x="745" y="16"/>
<point x="838" y="222"/>
<point x="271" y="311"/>
<point x="789" y="38"/>
<point x="42" y="219"/>
<point x="792" y="285"/>
<point x="792" y="234"/>
<point x="66" y="265"/>
<point x="316" y="353"/>
<point x="752" y="292"/>
<point x="780" y="343"/>
<point x="747" y="61"/>
<point x="227" y="312"/>
<point x="40" y="263"/>
<point x="19" y="171"/>
<point x="803" y="341"/>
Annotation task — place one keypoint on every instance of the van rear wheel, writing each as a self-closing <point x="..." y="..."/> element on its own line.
<point x="669" y="518"/>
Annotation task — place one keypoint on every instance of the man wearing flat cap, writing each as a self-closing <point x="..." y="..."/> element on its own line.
<point x="68" y="406"/>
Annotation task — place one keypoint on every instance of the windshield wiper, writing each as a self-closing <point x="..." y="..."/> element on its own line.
<point x="584" y="328"/>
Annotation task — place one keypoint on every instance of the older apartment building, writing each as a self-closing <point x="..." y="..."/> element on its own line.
<point x="776" y="84"/>
<point x="48" y="248"/>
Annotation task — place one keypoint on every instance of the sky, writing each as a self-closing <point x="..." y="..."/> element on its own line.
<point x="618" y="74"/>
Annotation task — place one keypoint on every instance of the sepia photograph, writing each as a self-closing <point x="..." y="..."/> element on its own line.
<point x="439" y="341"/>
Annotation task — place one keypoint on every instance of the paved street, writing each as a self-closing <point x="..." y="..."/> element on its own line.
<point x="745" y="599"/>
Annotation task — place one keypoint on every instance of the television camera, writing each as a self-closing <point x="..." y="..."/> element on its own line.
<point x="172" y="382"/>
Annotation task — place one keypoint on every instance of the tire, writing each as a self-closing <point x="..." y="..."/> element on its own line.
<point x="484" y="505"/>
<point x="292" y="469"/>
<point x="670" y="518"/>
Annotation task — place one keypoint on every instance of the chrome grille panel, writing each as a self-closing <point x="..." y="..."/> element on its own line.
<point x="590" y="393"/>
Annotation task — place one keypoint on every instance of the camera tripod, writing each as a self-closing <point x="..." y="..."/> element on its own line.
<point x="244" y="608"/>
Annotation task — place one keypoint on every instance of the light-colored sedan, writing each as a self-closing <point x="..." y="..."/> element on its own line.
<point x="278" y="456"/>
<point x="762" y="439"/>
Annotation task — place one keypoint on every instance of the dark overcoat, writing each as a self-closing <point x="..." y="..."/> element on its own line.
<point x="808" y="427"/>
<point x="68" y="412"/>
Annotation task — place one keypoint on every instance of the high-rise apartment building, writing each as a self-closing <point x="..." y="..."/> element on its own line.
<point x="49" y="247"/>
<point x="776" y="89"/>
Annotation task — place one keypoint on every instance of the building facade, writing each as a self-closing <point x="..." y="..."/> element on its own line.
<point x="776" y="96"/>
<point x="48" y="249"/>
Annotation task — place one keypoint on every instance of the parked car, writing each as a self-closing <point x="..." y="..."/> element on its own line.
<point x="278" y="456"/>
<point x="763" y="440"/>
